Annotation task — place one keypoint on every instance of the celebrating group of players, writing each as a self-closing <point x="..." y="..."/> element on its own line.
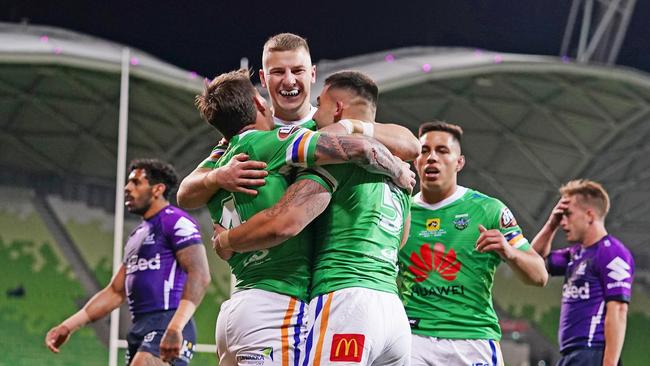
<point x="334" y="262"/>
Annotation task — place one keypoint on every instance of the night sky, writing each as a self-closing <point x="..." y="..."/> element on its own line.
<point x="210" y="37"/>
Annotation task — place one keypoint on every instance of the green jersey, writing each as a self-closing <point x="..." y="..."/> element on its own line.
<point x="446" y="285"/>
<point x="359" y="234"/>
<point x="286" y="268"/>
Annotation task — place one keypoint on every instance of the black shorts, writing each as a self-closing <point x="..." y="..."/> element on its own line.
<point x="583" y="357"/>
<point x="147" y="331"/>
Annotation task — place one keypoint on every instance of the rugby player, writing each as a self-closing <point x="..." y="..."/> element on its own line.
<point x="458" y="238"/>
<point x="287" y="74"/>
<point x="355" y="313"/>
<point x="164" y="274"/>
<point x="263" y="322"/>
<point x="598" y="271"/>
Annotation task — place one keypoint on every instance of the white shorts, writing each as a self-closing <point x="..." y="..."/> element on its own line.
<point x="257" y="327"/>
<point x="432" y="351"/>
<point x="357" y="326"/>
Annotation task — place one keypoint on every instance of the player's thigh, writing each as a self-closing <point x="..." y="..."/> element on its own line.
<point x="347" y="326"/>
<point x="473" y="352"/>
<point x="397" y="338"/>
<point x="142" y="358"/>
<point x="424" y="352"/>
<point x="261" y="328"/>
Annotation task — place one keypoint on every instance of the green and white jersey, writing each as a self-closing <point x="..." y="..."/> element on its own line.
<point x="445" y="284"/>
<point x="286" y="268"/>
<point x="359" y="234"/>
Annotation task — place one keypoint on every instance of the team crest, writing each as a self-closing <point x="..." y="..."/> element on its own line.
<point x="433" y="224"/>
<point x="461" y="221"/>
<point x="285" y="131"/>
<point x="507" y="218"/>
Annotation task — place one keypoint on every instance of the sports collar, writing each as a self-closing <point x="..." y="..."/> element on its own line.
<point x="460" y="192"/>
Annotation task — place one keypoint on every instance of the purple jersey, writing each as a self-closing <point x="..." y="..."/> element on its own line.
<point x="592" y="276"/>
<point x="154" y="280"/>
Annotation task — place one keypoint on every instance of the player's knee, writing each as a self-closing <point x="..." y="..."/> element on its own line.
<point x="147" y="359"/>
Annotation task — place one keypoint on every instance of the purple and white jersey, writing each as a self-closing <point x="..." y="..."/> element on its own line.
<point x="592" y="276"/>
<point x="154" y="280"/>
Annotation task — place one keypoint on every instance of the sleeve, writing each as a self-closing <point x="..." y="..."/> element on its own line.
<point x="301" y="149"/>
<point x="506" y="223"/>
<point x="182" y="231"/>
<point x="558" y="261"/>
<point x="211" y="161"/>
<point x="616" y="271"/>
<point x="320" y="176"/>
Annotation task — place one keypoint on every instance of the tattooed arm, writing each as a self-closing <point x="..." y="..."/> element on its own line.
<point x="365" y="152"/>
<point x="303" y="201"/>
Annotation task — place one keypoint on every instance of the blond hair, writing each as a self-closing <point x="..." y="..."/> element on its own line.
<point x="285" y="42"/>
<point x="589" y="193"/>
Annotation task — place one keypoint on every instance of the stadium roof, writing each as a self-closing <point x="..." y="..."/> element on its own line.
<point x="531" y="123"/>
<point x="59" y="103"/>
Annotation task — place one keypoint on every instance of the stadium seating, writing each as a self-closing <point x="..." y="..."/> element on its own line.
<point x="41" y="289"/>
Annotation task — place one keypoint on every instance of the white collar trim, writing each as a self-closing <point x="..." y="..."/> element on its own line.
<point x="280" y="122"/>
<point x="460" y="192"/>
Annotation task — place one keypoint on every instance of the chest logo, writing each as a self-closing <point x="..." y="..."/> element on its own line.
<point x="461" y="221"/>
<point x="437" y="260"/>
<point x="433" y="224"/>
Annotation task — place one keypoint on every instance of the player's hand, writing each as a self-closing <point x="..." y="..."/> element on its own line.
<point x="224" y="254"/>
<point x="406" y="177"/>
<point x="494" y="241"/>
<point x="558" y="211"/>
<point x="170" y="345"/>
<point x="238" y="175"/>
<point x="56" y="337"/>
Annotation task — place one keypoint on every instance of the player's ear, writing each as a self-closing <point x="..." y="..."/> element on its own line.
<point x="159" y="189"/>
<point x="262" y="80"/>
<point x="260" y="104"/>
<point x="313" y="74"/>
<point x="461" y="163"/>
<point x="339" y="110"/>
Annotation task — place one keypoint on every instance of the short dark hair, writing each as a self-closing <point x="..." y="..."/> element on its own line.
<point x="227" y="102"/>
<point x="157" y="172"/>
<point x="285" y="42"/>
<point x="356" y="82"/>
<point x="454" y="130"/>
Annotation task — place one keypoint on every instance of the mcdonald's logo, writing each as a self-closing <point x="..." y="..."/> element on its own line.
<point x="347" y="347"/>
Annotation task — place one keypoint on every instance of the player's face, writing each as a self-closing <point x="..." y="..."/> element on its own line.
<point x="575" y="221"/>
<point x="328" y="111"/>
<point x="439" y="161"/>
<point x="138" y="193"/>
<point x="288" y="76"/>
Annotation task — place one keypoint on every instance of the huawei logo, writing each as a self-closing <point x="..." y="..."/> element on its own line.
<point x="446" y="265"/>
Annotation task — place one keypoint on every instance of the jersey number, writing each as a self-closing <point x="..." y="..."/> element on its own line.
<point x="392" y="215"/>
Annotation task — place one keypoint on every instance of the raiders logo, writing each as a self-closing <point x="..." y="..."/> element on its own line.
<point x="285" y="131"/>
<point x="507" y="218"/>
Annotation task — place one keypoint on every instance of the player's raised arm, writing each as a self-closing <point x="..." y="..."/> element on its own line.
<point x="398" y="139"/>
<point x="97" y="307"/>
<point x="303" y="201"/>
<point x="237" y="176"/>
<point x="542" y="241"/>
<point x="365" y="152"/>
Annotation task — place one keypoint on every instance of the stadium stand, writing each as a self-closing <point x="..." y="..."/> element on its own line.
<point x="39" y="288"/>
